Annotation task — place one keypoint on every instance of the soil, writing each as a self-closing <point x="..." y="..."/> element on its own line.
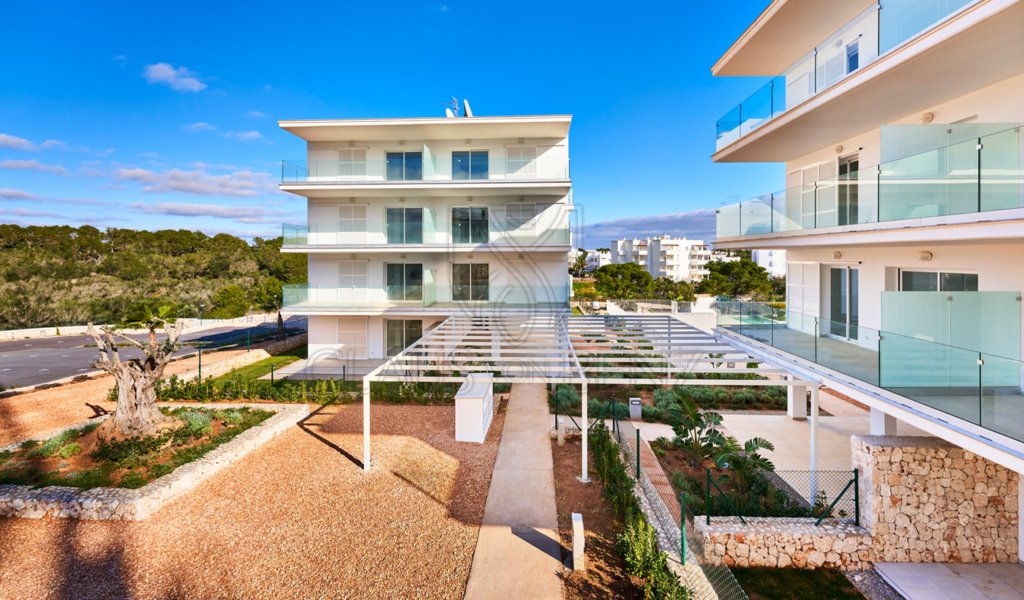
<point x="605" y="574"/>
<point x="675" y="460"/>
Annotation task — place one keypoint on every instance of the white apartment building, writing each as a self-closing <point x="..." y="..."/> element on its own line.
<point x="597" y="259"/>
<point x="773" y="261"/>
<point x="902" y="219"/>
<point x="677" y="258"/>
<point x="413" y="220"/>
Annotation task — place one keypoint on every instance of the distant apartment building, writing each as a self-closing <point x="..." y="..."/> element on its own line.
<point x="679" y="259"/>
<point x="773" y="261"/>
<point x="597" y="259"/>
<point x="902" y="217"/>
<point x="411" y="221"/>
<point x="722" y="256"/>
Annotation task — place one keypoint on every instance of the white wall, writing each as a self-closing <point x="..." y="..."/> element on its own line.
<point x="323" y="335"/>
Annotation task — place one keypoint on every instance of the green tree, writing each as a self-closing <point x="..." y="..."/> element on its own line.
<point x="580" y="261"/>
<point x="624" y="281"/>
<point x="696" y="431"/>
<point x="744" y="461"/>
<point x="736" y="278"/>
<point x="229" y="303"/>
<point x="680" y="291"/>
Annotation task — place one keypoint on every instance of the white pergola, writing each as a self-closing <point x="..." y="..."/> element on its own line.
<point x="556" y="348"/>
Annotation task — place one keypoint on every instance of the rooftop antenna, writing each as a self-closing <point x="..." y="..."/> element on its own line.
<point x="453" y="104"/>
<point x="467" y="112"/>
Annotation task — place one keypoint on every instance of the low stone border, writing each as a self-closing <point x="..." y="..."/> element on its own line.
<point x="785" y="542"/>
<point x="223" y="367"/>
<point x="117" y="504"/>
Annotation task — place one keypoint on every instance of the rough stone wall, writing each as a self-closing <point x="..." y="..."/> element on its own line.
<point x="926" y="500"/>
<point x="779" y="542"/>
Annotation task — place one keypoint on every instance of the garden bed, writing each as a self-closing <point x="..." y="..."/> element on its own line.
<point x="76" y="474"/>
<point x="767" y="583"/>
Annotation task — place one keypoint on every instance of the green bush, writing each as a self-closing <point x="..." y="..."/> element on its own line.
<point x="565" y="395"/>
<point x="650" y="414"/>
<point x="69" y="450"/>
<point x="663" y="398"/>
<point x="743" y="397"/>
<point x="722" y="395"/>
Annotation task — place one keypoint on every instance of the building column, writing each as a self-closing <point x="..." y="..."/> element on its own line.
<point x="585" y="428"/>
<point x="796" y="401"/>
<point x="881" y="423"/>
<point x="366" y="425"/>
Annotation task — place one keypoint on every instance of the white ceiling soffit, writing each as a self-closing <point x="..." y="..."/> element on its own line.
<point x="785" y="32"/>
<point x="440" y="128"/>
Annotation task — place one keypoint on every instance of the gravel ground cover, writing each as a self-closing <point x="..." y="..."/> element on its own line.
<point x="298" y="518"/>
<point x="46" y="410"/>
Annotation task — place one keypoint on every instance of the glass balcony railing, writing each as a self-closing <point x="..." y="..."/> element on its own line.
<point x="977" y="174"/>
<point x="303" y="296"/>
<point x="971" y="383"/>
<point x="368" y="233"/>
<point x="426" y="169"/>
<point x="860" y="42"/>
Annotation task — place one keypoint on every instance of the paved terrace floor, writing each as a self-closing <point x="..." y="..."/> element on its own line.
<point x="518" y="554"/>
<point x="949" y="581"/>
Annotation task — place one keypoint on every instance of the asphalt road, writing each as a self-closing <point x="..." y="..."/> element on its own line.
<point x="31" y="362"/>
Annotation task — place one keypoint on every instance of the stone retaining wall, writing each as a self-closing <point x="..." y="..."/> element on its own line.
<point x="134" y="505"/>
<point x="223" y="367"/>
<point x="926" y="500"/>
<point x="778" y="542"/>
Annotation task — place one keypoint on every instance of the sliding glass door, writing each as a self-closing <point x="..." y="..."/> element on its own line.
<point x="469" y="225"/>
<point x="470" y="282"/>
<point x="405" y="225"/>
<point x="843" y="302"/>
<point x="404" y="282"/>
<point x="401" y="333"/>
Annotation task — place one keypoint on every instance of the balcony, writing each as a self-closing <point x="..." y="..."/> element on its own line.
<point x="964" y="362"/>
<point x="403" y="235"/>
<point x="871" y="35"/>
<point x="977" y="170"/>
<point x="303" y="297"/>
<point x="468" y="169"/>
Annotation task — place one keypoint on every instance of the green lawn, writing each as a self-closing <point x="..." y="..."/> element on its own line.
<point x="576" y="311"/>
<point x="257" y="370"/>
<point x="769" y="583"/>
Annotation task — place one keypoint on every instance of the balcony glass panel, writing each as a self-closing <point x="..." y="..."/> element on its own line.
<point x="979" y="387"/>
<point x="418" y="166"/>
<point x="857" y="44"/>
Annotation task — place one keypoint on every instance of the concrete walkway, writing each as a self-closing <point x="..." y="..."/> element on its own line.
<point x="518" y="553"/>
<point x="950" y="581"/>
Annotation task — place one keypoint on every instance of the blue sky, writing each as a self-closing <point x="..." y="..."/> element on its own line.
<point x="152" y="117"/>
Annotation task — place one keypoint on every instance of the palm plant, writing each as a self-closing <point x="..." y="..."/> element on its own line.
<point x="146" y="317"/>
<point x="696" y="431"/>
<point x="744" y="461"/>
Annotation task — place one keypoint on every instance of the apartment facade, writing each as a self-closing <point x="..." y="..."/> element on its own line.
<point x="773" y="261"/>
<point x="597" y="259"/>
<point x="679" y="259"/>
<point x="410" y="221"/>
<point x="902" y="217"/>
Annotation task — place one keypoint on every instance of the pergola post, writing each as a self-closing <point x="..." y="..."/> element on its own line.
<point x="366" y="424"/>
<point x="814" y="442"/>
<point x="585" y="428"/>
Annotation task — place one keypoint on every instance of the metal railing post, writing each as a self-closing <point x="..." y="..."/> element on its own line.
<point x="200" y="366"/>
<point x="682" y="528"/>
<point x="707" y="496"/>
<point x="856" y="497"/>
<point x="271" y="373"/>
<point x="638" y="455"/>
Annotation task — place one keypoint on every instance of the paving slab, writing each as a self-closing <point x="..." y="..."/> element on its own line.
<point x="948" y="581"/>
<point x="518" y="552"/>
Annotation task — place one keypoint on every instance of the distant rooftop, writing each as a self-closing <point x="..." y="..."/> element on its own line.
<point x="429" y="128"/>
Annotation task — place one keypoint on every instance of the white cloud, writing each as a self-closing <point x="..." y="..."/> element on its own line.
<point x="113" y="186"/>
<point x="33" y="165"/>
<point x="90" y="172"/>
<point x="200" y="183"/>
<point x="150" y="155"/>
<point x="15" y="195"/>
<point x="201" y="165"/>
<point x="255" y="114"/>
<point x="16" y="143"/>
<point x="121" y="58"/>
<point x="239" y="214"/>
<point x="21" y="212"/>
<point x="180" y="79"/>
<point x="48" y="144"/>
<point x="200" y="126"/>
<point x="243" y="136"/>
<point x="696" y="225"/>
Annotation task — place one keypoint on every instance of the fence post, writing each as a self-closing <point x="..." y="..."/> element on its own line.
<point x="248" y="345"/>
<point x="682" y="528"/>
<point x="707" y="496"/>
<point x="856" y="498"/>
<point x="271" y="373"/>
<point x="638" y="455"/>
<point x="200" y="367"/>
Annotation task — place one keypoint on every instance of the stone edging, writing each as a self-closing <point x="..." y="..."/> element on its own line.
<point x="119" y="504"/>
<point x="223" y="367"/>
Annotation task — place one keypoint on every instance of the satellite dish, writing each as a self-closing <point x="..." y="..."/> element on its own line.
<point x="448" y="112"/>
<point x="465" y="105"/>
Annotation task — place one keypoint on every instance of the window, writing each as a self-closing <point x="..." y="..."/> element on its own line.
<point x="352" y="163"/>
<point x="852" y="56"/>
<point x="405" y="225"/>
<point x="405" y="166"/>
<point x="404" y="282"/>
<point x="470" y="282"/>
<point x="925" y="281"/>
<point x="401" y="333"/>
<point x="469" y="225"/>
<point x="469" y="164"/>
<point x="520" y="162"/>
<point x="352" y="223"/>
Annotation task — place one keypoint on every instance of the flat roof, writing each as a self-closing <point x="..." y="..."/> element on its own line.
<point x="429" y="128"/>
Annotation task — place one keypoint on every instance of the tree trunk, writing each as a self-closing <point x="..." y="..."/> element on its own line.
<point x="136" y="413"/>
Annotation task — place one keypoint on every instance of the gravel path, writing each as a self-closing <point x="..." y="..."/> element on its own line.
<point x="36" y="412"/>
<point x="297" y="518"/>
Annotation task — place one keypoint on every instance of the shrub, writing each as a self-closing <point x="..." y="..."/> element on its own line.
<point x="69" y="450"/>
<point x="650" y="414"/>
<point x="232" y="417"/>
<point x="52" y="446"/>
<point x="722" y="395"/>
<point x="663" y="398"/>
<point x="29" y="444"/>
<point x="743" y="397"/>
<point x="197" y="423"/>
<point x="565" y="394"/>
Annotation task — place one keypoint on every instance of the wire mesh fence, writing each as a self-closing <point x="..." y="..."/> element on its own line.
<point x="701" y="575"/>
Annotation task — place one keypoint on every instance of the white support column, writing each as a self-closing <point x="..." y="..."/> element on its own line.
<point x="881" y="423"/>
<point x="583" y="426"/>
<point x="796" y="401"/>
<point x="814" y="442"/>
<point x="366" y="425"/>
